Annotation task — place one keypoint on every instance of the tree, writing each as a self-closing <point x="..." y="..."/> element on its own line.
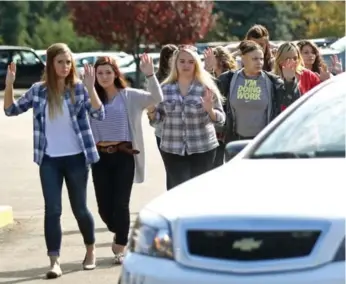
<point x="48" y="31"/>
<point x="313" y="19"/>
<point x="13" y="22"/>
<point x="236" y="17"/>
<point x="131" y="23"/>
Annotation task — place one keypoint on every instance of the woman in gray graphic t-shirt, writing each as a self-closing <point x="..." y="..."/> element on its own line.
<point x="254" y="97"/>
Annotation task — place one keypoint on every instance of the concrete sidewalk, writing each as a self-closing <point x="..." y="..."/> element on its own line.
<point x="22" y="247"/>
<point x="6" y="216"/>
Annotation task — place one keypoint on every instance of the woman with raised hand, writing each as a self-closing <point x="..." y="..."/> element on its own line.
<point x="307" y="79"/>
<point x="120" y="144"/>
<point x="313" y="61"/>
<point x="191" y="105"/>
<point x="63" y="144"/>
<point x="254" y="96"/>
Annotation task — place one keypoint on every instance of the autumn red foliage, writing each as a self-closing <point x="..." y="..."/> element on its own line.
<point x="130" y="23"/>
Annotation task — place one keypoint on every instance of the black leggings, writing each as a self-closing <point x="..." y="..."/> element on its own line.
<point x="168" y="175"/>
<point x="113" y="179"/>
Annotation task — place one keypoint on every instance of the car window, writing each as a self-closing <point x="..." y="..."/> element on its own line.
<point x="85" y="60"/>
<point x="4" y="57"/>
<point x="25" y="57"/>
<point x="318" y="125"/>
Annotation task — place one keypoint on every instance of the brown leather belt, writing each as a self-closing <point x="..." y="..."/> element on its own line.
<point x="125" y="147"/>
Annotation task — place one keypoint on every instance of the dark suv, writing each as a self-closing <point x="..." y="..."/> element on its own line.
<point x="30" y="66"/>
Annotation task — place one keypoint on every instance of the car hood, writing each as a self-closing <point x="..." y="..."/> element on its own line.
<point x="287" y="187"/>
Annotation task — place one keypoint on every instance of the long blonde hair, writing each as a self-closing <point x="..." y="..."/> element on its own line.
<point x="281" y="57"/>
<point x="50" y="79"/>
<point x="201" y="75"/>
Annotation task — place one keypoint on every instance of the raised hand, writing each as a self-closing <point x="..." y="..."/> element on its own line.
<point x="289" y="69"/>
<point x="336" y="65"/>
<point x="11" y="74"/>
<point x="324" y="74"/>
<point x="89" y="76"/>
<point x="209" y="59"/>
<point x="146" y="65"/>
<point x="207" y="100"/>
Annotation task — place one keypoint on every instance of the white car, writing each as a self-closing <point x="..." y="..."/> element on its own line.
<point x="274" y="214"/>
<point x="122" y="58"/>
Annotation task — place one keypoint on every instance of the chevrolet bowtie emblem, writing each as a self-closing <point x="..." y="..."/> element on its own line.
<point x="246" y="244"/>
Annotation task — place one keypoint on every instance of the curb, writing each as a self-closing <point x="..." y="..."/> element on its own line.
<point x="6" y="216"/>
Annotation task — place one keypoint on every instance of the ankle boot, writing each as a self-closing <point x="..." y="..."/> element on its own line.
<point x="55" y="270"/>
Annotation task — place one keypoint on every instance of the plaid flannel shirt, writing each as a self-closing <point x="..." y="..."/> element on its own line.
<point x="186" y="126"/>
<point x="36" y="98"/>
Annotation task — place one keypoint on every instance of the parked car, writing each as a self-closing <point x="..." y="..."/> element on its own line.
<point x="42" y="53"/>
<point x="274" y="214"/>
<point x="340" y="44"/>
<point x="82" y="58"/>
<point x="30" y="66"/>
<point x="130" y="71"/>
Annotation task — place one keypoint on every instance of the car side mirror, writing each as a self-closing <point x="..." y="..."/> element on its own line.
<point x="234" y="148"/>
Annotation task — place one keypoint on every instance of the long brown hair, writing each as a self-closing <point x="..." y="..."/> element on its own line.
<point x="119" y="81"/>
<point x="166" y="54"/>
<point x="319" y="62"/>
<point x="50" y="79"/>
<point x="258" y="32"/>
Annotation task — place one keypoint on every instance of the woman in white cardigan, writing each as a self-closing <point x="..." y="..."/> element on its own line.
<point x="119" y="140"/>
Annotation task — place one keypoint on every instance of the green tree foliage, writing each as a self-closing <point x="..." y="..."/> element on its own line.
<point x="314" y="19"/>
<point x="41" y="23"/>
<point x="49" y="31"/>
<point x="234" y="18"/>
<point x="13" y="22"/>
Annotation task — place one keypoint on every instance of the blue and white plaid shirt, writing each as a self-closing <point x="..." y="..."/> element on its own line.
<point x="186" y="126"/>
<point x="36" y="98"/>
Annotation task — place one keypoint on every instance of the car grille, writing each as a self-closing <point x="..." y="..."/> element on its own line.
<point x="251" y="245"/>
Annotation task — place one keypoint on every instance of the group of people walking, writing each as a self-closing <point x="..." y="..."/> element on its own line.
<point x="195" y="110"/>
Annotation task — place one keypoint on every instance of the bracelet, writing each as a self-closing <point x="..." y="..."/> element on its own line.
<point x="148" y="76"/>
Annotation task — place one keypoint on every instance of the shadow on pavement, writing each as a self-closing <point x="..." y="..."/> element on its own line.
<point x="100" y="230"/>
<point x="39" y="273"/>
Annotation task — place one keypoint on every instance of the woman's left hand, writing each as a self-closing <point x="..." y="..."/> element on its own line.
<point x="147" y="65"/>
<point x="336" y="64"/>
<point x="289" y="69"/>
<point x="324" y="74"/>
<point x="89" y="76"/>
<point x="209" y="59"/>
<point x="207" y="100"/>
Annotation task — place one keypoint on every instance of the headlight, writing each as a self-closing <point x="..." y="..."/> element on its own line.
<point x="151" y="236"/>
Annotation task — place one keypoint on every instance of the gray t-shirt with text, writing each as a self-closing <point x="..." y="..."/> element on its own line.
<point x="249" y="102"/>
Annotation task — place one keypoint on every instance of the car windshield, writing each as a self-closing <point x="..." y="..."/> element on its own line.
<point x="316" y="129"/>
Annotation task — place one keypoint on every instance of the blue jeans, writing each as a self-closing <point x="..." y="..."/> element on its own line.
<point x="74" y="170"/>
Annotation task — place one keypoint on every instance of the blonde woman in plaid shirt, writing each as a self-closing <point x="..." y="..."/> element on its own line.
<point x="191" y="106"/>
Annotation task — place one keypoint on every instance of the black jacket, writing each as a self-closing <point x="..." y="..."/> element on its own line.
<point x="284" y="93"/>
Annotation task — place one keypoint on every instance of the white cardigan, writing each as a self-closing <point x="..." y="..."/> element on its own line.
<point x="136" y="101"/>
